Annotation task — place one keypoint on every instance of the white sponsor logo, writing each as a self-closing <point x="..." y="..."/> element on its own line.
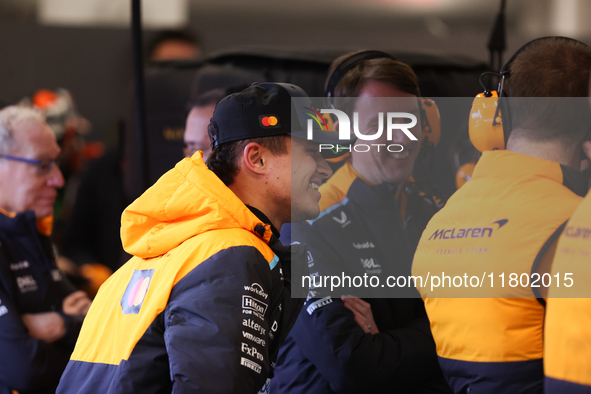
<point x="3" y="310"/>
<point x="257" y="289"/>
<point x="363" y="245"/>
<point x="266" y="388"/>
<point x="310" y="259"/>
<point x="369" y="264"/>
<point x="254" y="338"/>
<point x="26" y="283"/>
<point x="56" y="274"/>
<point x="342" y="220"/>
<point x="318" y="304"/>
<point x="251" y="364"/>
<point x="253" y="325"/>
<point x="252" y="352"/>
<point x="257" y="307"/>
<point x="20" y="265"/>
<point x="311" y="294"/>
<point x="371" y="267"/>
<point x="274" y="328"/>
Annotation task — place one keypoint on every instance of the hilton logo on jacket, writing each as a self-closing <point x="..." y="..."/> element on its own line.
<point x="475" y="232"/>
<point x="136" y="290"/>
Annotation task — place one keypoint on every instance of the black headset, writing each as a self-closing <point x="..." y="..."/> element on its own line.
<point x="430" y="118"/>
<point x="348" y="64"/>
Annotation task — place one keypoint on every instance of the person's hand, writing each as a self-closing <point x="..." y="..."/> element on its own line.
<point x="47" y="326"/>
<point x="67" y="266"/>
<point x="76" y="304"/>
<point x="362" y="312"/>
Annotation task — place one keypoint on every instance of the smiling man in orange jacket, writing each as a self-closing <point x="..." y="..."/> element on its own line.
<point x="205" y="302"/>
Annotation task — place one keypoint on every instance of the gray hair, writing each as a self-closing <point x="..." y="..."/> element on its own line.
<point x="10" y="117"/>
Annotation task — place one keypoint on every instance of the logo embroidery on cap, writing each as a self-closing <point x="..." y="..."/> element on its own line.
<point x="269" y="121"/>
<point x="136" y="290"/>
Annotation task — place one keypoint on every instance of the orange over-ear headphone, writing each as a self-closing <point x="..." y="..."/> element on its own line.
<point x="490" y="121"/>
<point x="430" y="118"/>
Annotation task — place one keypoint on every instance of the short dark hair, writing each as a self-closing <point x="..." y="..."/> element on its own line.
<point x="208" y="98"/>
<point x="381" y="69"/>
<point x="551" y="67"/>
<point x="224" y="159"/>
<point x="214" y="95"/>
<point x="172" y="35"/>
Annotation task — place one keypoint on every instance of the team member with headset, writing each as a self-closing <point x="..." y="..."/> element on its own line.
<point x="508" y="217"/>
<point x="372" y="217"/>
<point x="567" y="343"/>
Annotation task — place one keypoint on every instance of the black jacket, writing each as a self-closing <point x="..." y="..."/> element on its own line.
<point x="30" y="283"/>
<point x="327" y="351"/>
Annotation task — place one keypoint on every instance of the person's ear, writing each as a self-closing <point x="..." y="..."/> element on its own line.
<point x="255" y="158"/>
<point x="587" y="152"/>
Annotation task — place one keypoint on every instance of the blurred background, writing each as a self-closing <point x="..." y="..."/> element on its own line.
<point x="72" y="59"/>
<point x="86" y="45"/>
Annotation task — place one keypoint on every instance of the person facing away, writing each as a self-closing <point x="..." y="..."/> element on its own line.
<point x="506" y="221"/>
<point x="205" y="302"/>
<point x="567" y="361"/>
<point x="372" y="217"/>
<point x="40" y="311"/>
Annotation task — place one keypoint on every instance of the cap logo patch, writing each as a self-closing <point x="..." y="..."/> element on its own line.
<point x="268" y="121"/>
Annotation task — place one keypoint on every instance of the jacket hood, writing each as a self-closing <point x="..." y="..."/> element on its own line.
<point x="186" y="201"/>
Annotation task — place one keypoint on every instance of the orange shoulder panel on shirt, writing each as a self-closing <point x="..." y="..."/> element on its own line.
<point x="495" y="224"/>
<point x="567" y="338"/>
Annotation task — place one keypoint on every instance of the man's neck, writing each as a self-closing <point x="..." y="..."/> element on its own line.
<point x="255" y="199"/>
<point x="548" y="150"/>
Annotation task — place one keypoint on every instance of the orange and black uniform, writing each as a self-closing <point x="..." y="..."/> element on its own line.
<point x="203" y="305"/>
<point x="567" y="338"/>
<point x="501" y="221"/>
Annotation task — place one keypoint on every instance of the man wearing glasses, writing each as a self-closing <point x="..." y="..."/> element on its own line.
<point x="40" y="312"/>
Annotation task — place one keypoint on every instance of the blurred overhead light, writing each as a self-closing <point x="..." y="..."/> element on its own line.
<point x="156" y="14"/>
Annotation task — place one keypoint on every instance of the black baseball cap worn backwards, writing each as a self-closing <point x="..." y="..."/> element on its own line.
<point x="263" y="110"/>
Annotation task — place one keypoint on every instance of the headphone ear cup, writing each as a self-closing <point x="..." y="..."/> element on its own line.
<point x="486" y="132"/>
<point x="430" y="123"/>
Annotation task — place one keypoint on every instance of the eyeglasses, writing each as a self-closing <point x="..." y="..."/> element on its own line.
<point x="44" y="166"/>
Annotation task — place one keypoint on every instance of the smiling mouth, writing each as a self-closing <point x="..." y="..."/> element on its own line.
<point x="400" y="155"/>
<point x="313" y="185"/>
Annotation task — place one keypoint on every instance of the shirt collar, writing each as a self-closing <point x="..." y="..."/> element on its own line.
<point x="504" y="163"/>
<point x="263" y="218"/>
